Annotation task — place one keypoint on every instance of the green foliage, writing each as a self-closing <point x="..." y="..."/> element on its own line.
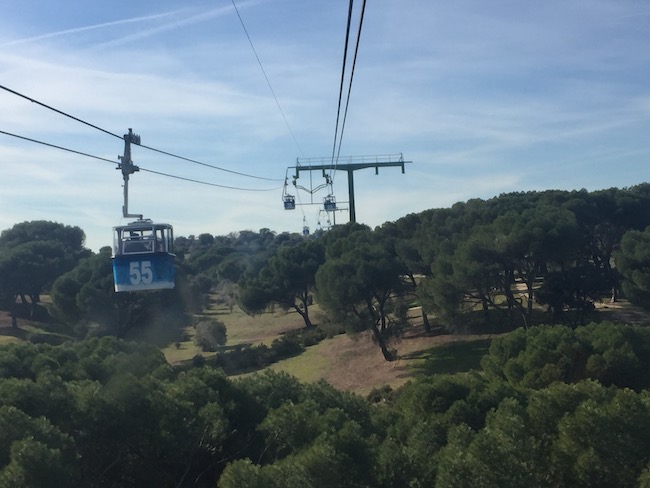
<point x="210" y="334"/>
<point x="605" y="443"/>
<point x="572" y="290"/>
<point x="228" y="257"/>
<point x="104" y="412"/>
<point x="612" y="354"/>
<point x="287" y="279"/>
<point x="72" y="293"/>
<point x="494" y="254"/>
<point x="271" y="389"/>
<point x="357" y="283"/>
<point x="244" y="474"/>
<point x="35" y="465"/>
<point x="71" y="238"/>
<point x="309" y="444"/>
<point x="32" y="255"/>
<point x="287" y="346"/>
<point x="233" y="267"/>
<point x="632" y="261"/>
<point x="554" y="406"/>
<point x="590" y="439"/>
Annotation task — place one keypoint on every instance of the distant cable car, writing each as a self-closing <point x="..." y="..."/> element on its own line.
<point x="328" y="221"/>
<point x="329" y="203"/>
<point x="289" y="202"/>
<point x="143" y="256"/>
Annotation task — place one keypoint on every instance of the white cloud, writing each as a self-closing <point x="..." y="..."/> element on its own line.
<point x="483" y="98"/>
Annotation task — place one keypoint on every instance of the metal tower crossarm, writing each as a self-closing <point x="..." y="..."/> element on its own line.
<point x="128" y="168"/>
<point x="354" y="163"/>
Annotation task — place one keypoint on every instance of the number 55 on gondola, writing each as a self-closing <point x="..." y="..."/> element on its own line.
<point x="143" y="257"/>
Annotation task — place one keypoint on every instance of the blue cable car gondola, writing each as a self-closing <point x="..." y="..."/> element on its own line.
<point x="289" y="202"/>
<point x="143" y="256"/>
<point x="143" y="252"/>
<point x="329" y="203"/>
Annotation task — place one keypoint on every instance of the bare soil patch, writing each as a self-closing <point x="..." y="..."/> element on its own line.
<point x="622" y="311"/>
<point x="5" y="319"/>
<point x="355" y="363"/>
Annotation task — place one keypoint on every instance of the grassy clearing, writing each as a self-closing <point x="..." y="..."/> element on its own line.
<point x="308" y="367"/>
<point x="258" y="329"/>
<point x="8" y="340"/>
<point x="356" y="363"/>
<point x="185" y="351"/>
<point x="242" y="329"/>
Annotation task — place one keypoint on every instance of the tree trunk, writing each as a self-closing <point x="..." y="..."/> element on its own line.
<point x="388" y="355"/>
<point x="12" y="313"/>
<point x="425" y="321"/>
<point x="510" y="298"/>
<point x="486" y="309"/>
<point x="304" y="310"/>
<point x="413" y="282"/>
<point x="382" y="316"/>
<point x="376" y="332"/>
<point x="529" y="305"/>
<point x="614" y="297"/>
<point x="34" y="298"/>
<point x="304" y="313"/>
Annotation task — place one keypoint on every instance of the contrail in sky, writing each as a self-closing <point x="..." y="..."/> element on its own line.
<point x="92" y="27"/>
<point x="192" y="19"/>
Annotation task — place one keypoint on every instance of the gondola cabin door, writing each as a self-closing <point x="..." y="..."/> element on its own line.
<point x="143" y="256"/>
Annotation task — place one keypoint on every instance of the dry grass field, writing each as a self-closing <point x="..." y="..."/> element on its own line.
<point x="355" y="363"/>
<point x="352" y="363"/>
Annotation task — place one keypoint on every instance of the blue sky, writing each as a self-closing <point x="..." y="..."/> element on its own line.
<point x="483" y="97"/>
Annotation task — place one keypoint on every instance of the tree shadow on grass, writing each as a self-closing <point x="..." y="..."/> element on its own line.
<point x="449" y="358"/>
<point x="14" y="332"/>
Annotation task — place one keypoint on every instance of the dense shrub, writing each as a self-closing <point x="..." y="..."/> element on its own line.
<point x="210" y="334"/>
<point x="286" y="347"/>
<point x="249" y="358"/>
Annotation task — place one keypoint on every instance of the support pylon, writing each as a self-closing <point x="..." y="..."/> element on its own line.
<point x="362" y="162"/>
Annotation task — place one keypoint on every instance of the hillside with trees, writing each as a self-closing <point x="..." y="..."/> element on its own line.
<point x="560" y="399"/>
<point x="105" y="412"/>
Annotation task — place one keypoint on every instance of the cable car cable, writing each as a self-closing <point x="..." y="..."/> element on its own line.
<point x="56" y="147"/>
<point x="59" y="111"/>
<point x="268" y="82"/>
<point x="345" y="54"/>
<point x="140" y="167"/>
<point x="206" y="164"/>
<point x="347" y="101"/>
<point x="206" y="182"/>
<point x="121" y="138"/>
